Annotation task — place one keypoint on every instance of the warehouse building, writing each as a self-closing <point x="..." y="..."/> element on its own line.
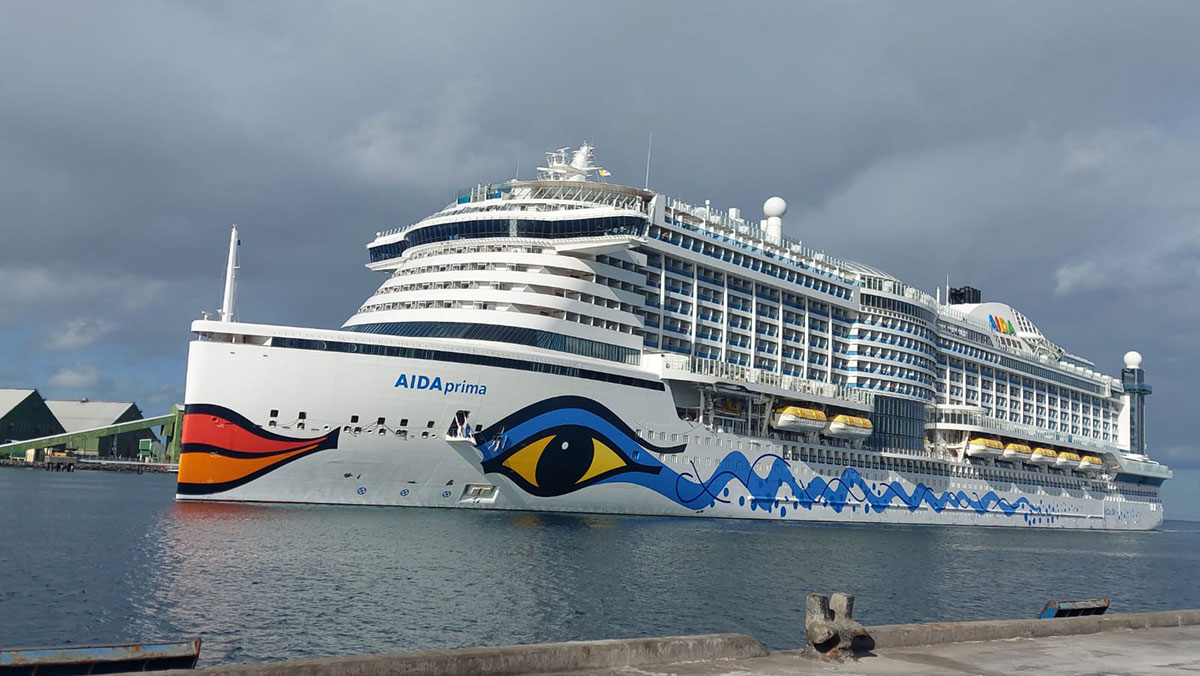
<point x="83" y="414"/>
<point x="24" y="415"/>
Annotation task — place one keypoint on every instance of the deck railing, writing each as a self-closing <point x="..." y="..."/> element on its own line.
<point x="746" y="374"/>
<point x="978" y="419"/>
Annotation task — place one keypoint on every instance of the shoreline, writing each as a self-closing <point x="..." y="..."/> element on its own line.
<point x="88" y="465"/>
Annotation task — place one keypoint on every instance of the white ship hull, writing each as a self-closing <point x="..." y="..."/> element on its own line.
<point x="643" y="458"/>
<point x="569" y="344"/>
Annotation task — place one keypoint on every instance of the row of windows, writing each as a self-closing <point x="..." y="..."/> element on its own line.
<point x="569" y="294"/>
<point x="868" y="318"/>
<point x="1011" y="382"/>
<point x="461" y="358"/>
<point x="871" y="300"/>
<point x="752" y="262"/>
<point x="1047" y="374"/>
<point x="946" y="328"/>
<point x="510" y="227"/>
<point x="505" y="334"/>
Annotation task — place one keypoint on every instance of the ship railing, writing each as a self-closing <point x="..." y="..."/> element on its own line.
<point x="749" y="233"/>
<point x="568" y="191"/>
<point x="1145" y="467"/>
<point x="733" y="372"/>
<point x="979" y="419"/>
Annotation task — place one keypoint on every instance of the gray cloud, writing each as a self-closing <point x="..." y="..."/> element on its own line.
<point x="76" y="334"/>
<point x="1171" y="261"/>
<point x="1045" y="153"/>
<point x="75" y="377"/>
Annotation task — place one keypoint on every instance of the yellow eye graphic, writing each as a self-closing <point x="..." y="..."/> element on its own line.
<point x="562" y="460"/>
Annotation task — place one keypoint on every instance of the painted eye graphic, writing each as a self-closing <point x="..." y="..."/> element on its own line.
<point x="563" y="459"/>
<point x="562" y="444"/>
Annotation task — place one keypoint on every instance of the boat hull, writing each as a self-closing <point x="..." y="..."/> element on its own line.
<point x="981" y="451"/>
<point x="791" y="423"/>
<point x="338" y="452"/>
<point x="841" y="430"/>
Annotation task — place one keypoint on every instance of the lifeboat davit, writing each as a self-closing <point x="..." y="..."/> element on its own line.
<point x="845" y="426"/>
<point x="982" y="447"/>
<point x="1043" y="456"/>
<point x="1068" y="460"/>
<point x="798" y="419"/>
<point x="1017" y="452"/>
<point x="1090" y="463"/>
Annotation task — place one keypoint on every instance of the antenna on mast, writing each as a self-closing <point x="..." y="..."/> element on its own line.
<point x="231" y="268"/>
<point x="649" y="147"/>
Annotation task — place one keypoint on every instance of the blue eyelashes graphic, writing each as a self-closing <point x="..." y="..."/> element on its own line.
<point x="564" y="444"/>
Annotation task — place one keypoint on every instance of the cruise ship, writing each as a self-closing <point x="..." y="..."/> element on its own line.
<point x="569" y="344"/>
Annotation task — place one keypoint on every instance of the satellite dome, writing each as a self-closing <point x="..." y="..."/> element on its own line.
<point x="1133" y="359"/>
<point x="774" y="207"/>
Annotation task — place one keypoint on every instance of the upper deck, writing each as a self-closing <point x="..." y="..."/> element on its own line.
<point x="583" y="263"/>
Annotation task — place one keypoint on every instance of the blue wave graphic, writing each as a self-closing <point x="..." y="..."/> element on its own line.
<point x="767" y="493"/>
<point x="847" y="490"/>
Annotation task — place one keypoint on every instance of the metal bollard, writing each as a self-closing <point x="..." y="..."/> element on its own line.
<point x="832" y="632"/>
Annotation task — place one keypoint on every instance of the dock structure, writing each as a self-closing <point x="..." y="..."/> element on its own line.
<point x="1158" y="642"/>
<point x="87" y="440"/>
<point x="101" y="659"/>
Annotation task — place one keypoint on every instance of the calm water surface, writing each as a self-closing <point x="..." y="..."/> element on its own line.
<point x="95" y="557"/>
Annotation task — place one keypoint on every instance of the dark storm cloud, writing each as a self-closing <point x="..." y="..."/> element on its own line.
<point x="1045" y="152"/>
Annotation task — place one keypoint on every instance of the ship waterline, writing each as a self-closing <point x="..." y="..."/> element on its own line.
<point x="571" y="345"/>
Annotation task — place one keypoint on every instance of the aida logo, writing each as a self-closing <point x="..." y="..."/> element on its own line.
<point x="423" y="382"/>
<point x="1002" y="325"/>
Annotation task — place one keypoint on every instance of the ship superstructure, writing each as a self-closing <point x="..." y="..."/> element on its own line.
<point x="575" y="345"/>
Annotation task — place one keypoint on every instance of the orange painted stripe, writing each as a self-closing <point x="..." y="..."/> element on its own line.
<point x="210" y="468"/>
<point x="199" y="428"/>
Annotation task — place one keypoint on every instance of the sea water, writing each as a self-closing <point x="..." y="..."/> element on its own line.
<point x="97" y="557"/>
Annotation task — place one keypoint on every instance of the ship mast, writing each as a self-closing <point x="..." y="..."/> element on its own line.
<point x="231" y="268"/>
<point x="577" y="168"/>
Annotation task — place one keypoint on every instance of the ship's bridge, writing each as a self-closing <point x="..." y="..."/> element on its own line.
<point x="533" y="209"/>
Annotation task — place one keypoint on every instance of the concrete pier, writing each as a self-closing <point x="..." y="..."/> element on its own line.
<point x="1162" y="642"/>
<point x="1163" y="650"/>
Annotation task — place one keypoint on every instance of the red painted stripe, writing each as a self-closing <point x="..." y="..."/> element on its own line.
<point x="199" y="428"/>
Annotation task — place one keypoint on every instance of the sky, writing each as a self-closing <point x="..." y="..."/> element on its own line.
<point x="1045" y="152"/>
